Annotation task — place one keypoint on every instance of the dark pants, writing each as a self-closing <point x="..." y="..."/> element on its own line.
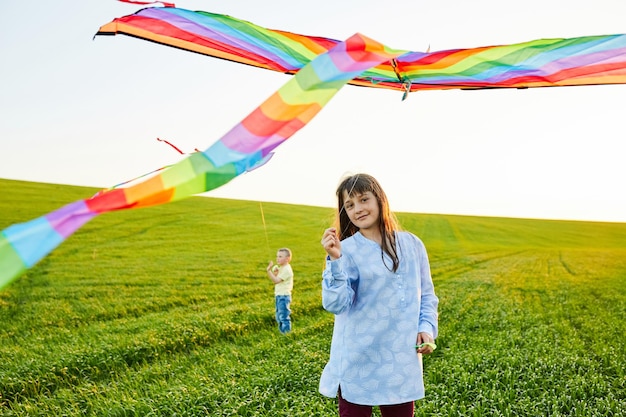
<point x="283" y="313"/>
<point x="347" y="409"/>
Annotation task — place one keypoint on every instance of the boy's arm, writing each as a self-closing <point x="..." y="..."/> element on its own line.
<point x="271" y="275"/>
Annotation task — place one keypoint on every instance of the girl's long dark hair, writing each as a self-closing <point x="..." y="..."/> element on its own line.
<point x="388" y="224"/>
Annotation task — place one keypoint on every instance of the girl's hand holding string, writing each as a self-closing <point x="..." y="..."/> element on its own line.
<point x="331" y="243"/>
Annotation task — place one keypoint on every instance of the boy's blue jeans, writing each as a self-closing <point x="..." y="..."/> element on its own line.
<point x="283" y="313"/>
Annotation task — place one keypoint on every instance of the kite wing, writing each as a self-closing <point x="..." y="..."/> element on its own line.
<point x="245" y="147"/>
<point x="588" y="60"/>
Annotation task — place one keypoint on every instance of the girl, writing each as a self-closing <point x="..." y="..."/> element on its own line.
<point x="377" y="283"/>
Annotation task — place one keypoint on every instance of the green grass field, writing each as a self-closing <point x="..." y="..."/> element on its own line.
<point x="167" y="311"/>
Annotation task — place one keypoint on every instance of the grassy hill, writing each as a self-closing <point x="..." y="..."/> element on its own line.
<point x="167" y="311"/>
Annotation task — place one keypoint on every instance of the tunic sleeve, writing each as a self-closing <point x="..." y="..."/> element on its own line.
<point x="429" y="318"/>
<point x="337" y="293"/>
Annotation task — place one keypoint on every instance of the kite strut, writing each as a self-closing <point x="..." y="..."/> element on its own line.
<point x="406" y="82"/>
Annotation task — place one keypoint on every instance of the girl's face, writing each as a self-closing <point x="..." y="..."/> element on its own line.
<point x="362" y="210"/>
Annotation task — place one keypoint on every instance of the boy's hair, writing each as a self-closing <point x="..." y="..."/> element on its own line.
<point x="286" y="250"/>
<point x="388" y="224"/>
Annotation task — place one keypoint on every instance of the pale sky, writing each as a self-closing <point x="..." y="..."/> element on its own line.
<point x="87" y="112"/>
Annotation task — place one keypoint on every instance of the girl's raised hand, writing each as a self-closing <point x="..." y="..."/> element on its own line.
<point x="331" y="243"/>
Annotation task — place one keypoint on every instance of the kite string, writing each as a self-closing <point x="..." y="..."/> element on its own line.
<point x="151" y="172"/>
<point x="267" y="240"/>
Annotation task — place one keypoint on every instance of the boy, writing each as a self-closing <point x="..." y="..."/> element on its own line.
<point x="282" y="277"/>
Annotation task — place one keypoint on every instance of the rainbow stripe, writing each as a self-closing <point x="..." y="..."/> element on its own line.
<point x="588" y="60"/>
<point x="243" y="148"/>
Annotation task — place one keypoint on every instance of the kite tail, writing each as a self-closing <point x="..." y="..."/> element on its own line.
<point x="23" y="245"/>
<point x="246" y="146"/>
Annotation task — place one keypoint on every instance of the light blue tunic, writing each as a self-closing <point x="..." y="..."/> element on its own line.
<point x="378" y="314"/>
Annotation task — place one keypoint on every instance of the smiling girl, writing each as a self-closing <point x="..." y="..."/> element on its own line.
<point x="378" y="285"/>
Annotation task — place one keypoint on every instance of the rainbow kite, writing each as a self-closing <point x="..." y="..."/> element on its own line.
<point x="588" y="60"/>
<point x="243" y="148"/>
<point x="321" y="67"/>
